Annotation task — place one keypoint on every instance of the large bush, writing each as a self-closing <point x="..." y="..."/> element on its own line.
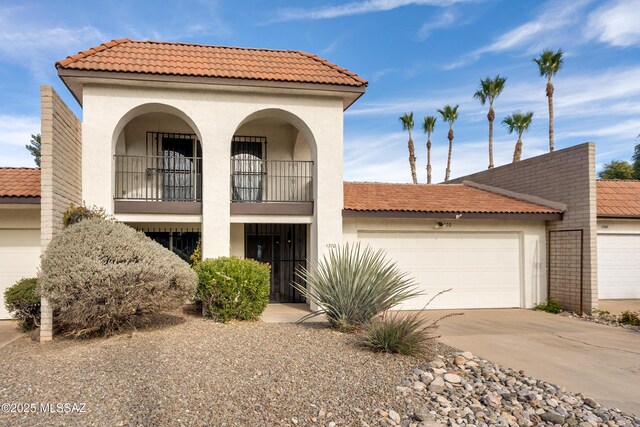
<point x="99" y="276"/>
<point x="23" y="302"/>
<point x="233" y="288"/>
<point x="353" y="284"/>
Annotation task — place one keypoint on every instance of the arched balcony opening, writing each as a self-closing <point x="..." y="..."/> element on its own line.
<point x="157" y="158"/>
<point x="271" y="161"/>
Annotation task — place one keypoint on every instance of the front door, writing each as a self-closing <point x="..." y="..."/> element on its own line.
<point x="284" y="248"/>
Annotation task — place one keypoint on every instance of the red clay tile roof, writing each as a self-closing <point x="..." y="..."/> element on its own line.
<point x="181" y="59"/>
<point x="19" y="182"/>
<point x="436" y="198"/>
<point x="618" y="198"/>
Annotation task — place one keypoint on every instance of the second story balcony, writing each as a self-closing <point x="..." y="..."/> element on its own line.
<point x="169" y="178"/>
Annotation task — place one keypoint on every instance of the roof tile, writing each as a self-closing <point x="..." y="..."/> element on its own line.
<point x="618" y="198"/>
<point x="180" y="59"/>
<point x="436" y="198"/>
<point x="19" y="182"/>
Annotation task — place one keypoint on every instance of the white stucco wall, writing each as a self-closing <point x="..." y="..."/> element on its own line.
<point x="215" y="116"/>
<point x="532" y="243"/>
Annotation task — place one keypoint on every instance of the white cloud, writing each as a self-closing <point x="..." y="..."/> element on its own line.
<point x="444" y="20"/>
<point x="551" y="27"/>
<point x="17" y="130"/>
<point x="616" y="23"/>
<point x="357" y="8"/>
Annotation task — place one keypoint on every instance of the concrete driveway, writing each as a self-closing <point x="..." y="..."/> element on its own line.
<point x="9" y="332"/>
<point x="599" y="361"/>
<point x="617" y="306"/>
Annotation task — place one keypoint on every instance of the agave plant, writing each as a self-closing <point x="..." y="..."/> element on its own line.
<point x="352" y="284"/>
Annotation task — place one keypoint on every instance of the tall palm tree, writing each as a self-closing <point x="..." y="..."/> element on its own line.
<point x="428" y="125"/>
<point x="519" y="123"/>
<point x="489" y="90"/>
<point x="549" y="63"/>
<point x="407" y="124"/>
<point x="449" y="114"/>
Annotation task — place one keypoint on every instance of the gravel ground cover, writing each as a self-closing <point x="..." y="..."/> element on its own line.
<point x="461" y="389"/>
<point x="602" y="317"/>
<point x="186" y="370"/>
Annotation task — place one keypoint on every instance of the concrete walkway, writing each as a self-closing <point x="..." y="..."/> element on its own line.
<point x="288" y="313"/>
<point x="9" y="332"/>
<point x="617" y="306"/>
<point x="599" y="361"/>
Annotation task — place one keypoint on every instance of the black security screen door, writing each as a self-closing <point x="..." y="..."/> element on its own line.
<point x="247" y="168"/>
<point x="284" y="248"/>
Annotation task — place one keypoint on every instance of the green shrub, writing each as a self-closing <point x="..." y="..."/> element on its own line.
<point x="408" y="333"/>
<point x="352" y="284"/>
<point x="102" y="276"/>
<point x="232" y="288"/>
<point x="196" y="256"/>
<point x="630" y="318"/>
<point x="549" y="306"/>
<point x="398" y="332"/>
<point x="23" y="302"/>
<point x="75" y="214"/>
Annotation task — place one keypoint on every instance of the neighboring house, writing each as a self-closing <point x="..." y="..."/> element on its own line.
<point x="19" y="227"/>
<point x="618" y="239"/>
<point x="242" y="149"/>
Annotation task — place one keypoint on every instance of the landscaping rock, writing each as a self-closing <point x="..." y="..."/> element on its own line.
<point x="480" y="393"/>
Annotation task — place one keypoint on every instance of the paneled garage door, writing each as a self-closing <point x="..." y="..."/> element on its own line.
<point x="19" y="257"/>
<point x="618" y="266"/>
<point x="482" y="269"/>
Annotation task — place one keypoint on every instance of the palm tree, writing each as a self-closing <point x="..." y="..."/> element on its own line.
<point x="489" y="90"/>
<point x="428" y="125"/>
<point x="407" y="124"/>
<point x="520" y="123"/>
<point x="549" y="63"/>
<point x="449" y="114"/>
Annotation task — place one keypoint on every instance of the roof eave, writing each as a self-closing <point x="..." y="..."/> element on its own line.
<point x="72" y="80"/>
<point x="525" y="216"/>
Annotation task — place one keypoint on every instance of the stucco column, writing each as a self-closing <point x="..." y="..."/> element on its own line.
<point x="216" y="230"/>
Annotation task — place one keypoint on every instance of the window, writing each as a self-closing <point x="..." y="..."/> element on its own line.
<point x="247" y="168"/>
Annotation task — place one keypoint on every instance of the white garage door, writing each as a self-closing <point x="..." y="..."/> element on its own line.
<point x="19" y="257"/>
<point x="482" y="269"/>
<point x="618" y="266"/>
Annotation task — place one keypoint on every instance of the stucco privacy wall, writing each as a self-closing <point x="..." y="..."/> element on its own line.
<point x="566" y="176"/>
<point x="532" y="238"/>
<point x="61" y="174"/>
<point x="215" y="115"/>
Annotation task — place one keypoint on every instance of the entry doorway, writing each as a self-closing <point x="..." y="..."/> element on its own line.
<point x="284" y="248"/>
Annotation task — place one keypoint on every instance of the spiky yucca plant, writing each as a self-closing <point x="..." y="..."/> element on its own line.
<point x="352" y="284"/>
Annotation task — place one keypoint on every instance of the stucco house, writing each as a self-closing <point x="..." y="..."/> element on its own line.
<point x="242" y="149"/>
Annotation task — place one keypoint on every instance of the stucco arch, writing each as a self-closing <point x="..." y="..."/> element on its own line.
<point x="287" y="116"/>
<point x="147" y="108"/>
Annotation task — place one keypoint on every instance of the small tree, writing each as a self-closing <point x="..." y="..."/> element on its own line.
<point x="34" y="148"/>
<point x="519" y="123"/>
<point x="617" y="169"/>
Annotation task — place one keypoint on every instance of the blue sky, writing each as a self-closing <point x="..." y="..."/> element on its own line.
<point x="417" y="56"/>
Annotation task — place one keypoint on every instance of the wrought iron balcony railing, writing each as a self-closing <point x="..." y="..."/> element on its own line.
<point x="158" y="178"/>
<point x="255" y="181"/>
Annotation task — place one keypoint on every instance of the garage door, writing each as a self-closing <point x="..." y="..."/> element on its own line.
<point x="618" y="266"/>
<point x="19" y="257"/>
<point x="482" y="269"/>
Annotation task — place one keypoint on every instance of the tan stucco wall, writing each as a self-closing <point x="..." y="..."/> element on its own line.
<point x="20" y="217"/>
<point x="215" y="116"/>
<point x="618" y="226"/>
<point x="532" y="243"/>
